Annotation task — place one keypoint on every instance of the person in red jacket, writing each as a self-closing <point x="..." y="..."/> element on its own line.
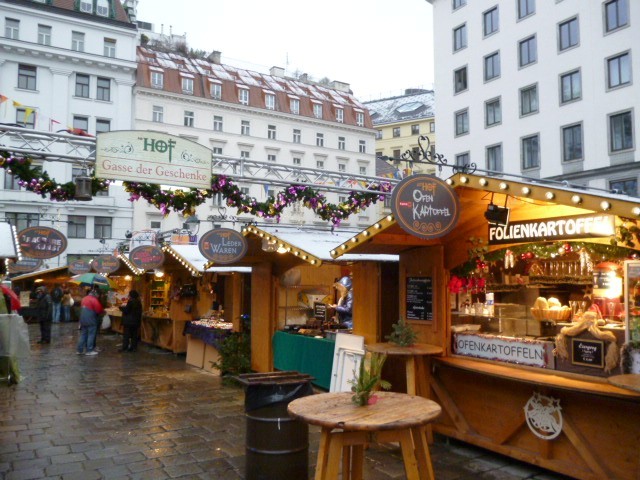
<point x="91" y="310"/>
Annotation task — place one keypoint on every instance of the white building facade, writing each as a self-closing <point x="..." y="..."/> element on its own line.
<point x="65" y="66"/>
<point x="540" y="89"/>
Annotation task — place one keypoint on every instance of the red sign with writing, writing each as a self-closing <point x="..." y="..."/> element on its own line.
<point x="42" y="242"/>
<point x="147" y="257"/>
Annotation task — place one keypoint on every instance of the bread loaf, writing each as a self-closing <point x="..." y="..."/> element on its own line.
<point x="541" y="303"/>
<point x="554" y="302"/>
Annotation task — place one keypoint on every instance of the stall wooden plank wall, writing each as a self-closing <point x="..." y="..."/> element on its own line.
<point x="263" y="317"/>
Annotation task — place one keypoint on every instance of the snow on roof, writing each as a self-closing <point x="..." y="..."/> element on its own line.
<point x="191" y="253"/>
<point x="8" y="245"/>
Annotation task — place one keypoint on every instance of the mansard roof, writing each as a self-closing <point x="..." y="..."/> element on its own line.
<point x="116" y="10"/>
<point x="414" y="105"/>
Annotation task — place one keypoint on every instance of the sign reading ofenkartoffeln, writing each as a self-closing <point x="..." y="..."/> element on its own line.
<point x="152" y="157"/>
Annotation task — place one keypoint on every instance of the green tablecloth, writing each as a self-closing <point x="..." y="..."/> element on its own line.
<point x="313" y="356"/>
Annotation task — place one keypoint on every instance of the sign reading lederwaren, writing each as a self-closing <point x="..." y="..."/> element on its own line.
<point x="425" y="206"/>
<point x="223" y="246"/>
<point x="152" y="157"/>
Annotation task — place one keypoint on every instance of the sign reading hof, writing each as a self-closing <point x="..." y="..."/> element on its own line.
<point x="425" y="206"/>
<point x="78" y="267"/>
<point x="26" y="265"/>
<point x="41" y="242"/>
<point x="147" y="257"/>
<point x="159" y="158"/>
<point x="223" y="246"/>
<point x="105" y="264"/>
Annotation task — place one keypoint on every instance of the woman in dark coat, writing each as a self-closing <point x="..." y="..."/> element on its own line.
<point x="131" y="320"/>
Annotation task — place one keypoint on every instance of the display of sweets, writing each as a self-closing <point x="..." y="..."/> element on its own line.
<point x="213" y="323"/>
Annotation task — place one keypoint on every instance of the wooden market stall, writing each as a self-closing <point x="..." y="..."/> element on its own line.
<point x="531" y="315"/>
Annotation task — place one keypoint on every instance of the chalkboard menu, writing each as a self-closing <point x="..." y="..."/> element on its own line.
<point x="419" y="298"/>
<point x="589" y="353"/>
<point x="320" y="311"/>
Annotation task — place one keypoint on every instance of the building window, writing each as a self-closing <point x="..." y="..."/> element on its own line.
<point x="81" y="123"/>
<point x="616" y="14"/>
<point x="271" y="157"/>
<point x="44" y="35"/>
<point x="568" y="34"/>
<point x="319" y="140"/>
<point x="297" y="136"/>
<point x="245" y="127"/>
<point x="319" y="164"/>
<point x="415" y="129"/>
<point x="104" y="89"/>
<point x="187" y="85"/>
<point x="217" y="123"/>
<point x="490" y="21"/>
<point x="432" y="127"/>
<point x="342" y="143"/>
<point x="12" y="28"/>
<point x="360" y="119"/>
<point x="215" y="89"/>
<point x="572" y="143"/>
<point x="529" y="100"/>
<point x="11" y="182"/>
<point x="217" y="150"/>
<point x="22" y="220"/>
<point x="378" y="134"/>
<point x="396" y="154"/>
<point x="102" y="8"/>
<point x="528" y="51"/>
<point x="492" y="66"/>
<point x="317" y="110"/>
<point x="570" y="87"/>
<point x="621" y="131"/>
<point x="158" y="114"/>
<point x="297" y="161"/>
<point x="362" y="146"/>
<point x="462" y="122"/>
<point x="460" y="80"/>
<point x="26" y="77"/>
<point x="362" y="170"/>
<point x="109" y="48"/>
<point x="271" y="132"/>
<point x="103" y="126"/>
<point x="77" y="41"/>
<point x="102" y="227"/>
<point x="459" y="37"/>
<point x="77" y="226"/>
<point x="526" y="8"/>
<point x="493" y="112"/>
<point x="396" y="132"/>
<point x="494" y="158"/>
<point x="244" y="154"/>
<point x="618" y="70"/>
<point x="462" y="160"/>
<point x="294" y="105"/>
<point x="340" y="115"/>
<point x="157" y="79"/>
<point x="628" y="186"/>
<point x="82" y="85"/>
<point x="530" y="152"/>
<point x="86" y="6"/>
<point x="243" y="96"/>
<point x="28" y="121"/>
<point x="458" y="3"/>
<point x="270" y="101"/>
<point x="342" y="167"/>
<point x="189" y="118"/>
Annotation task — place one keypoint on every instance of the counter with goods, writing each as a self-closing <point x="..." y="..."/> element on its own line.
<point x="205" y="338"/>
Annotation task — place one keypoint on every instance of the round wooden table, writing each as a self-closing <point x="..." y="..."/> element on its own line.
<point x="630" y="381"/>
<point x="414" y="365"/>
<point x="347" y="428"/>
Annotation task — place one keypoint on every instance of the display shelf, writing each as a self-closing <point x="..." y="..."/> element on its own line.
<point x="296" y="302"/>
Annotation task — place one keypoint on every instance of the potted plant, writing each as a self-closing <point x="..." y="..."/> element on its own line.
<point x="402" y="335"/>
<point x="368" y="380"/>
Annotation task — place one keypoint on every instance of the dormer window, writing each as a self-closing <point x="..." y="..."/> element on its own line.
<point x="317" y="110"/>
<point x="340" y="115"/>
<point x="157" y="77"/>
<point x="360" y="119"/>
<point x="270" y="101"/>
<point x="216" y="90"/>
<point x="243" y="96"/>
<point x="187" y="85"/>
<point x="102" y="8"/>
<point x="86" y="6"/>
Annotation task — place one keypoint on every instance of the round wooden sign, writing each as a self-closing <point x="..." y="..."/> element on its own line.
<point x="41" y="242"/>
<point x="26" y="265"/>
<point x="147" y="257"/>
<point x="223" y="246"/>
<point x="78" y="267"/>
<point x="105" y="264"/>
<point x="425" y="206"/>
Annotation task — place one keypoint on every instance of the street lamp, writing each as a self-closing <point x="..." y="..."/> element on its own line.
<point x="192" y="225"/>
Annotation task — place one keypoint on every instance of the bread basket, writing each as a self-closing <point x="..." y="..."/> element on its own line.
<point x="551" y="314"/>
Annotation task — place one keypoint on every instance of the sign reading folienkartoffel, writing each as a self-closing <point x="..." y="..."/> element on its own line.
<point x="152" y="157"/>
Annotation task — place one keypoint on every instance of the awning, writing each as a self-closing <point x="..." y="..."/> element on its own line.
<point x="191" y="258"/>
<point x="9" y="247"/>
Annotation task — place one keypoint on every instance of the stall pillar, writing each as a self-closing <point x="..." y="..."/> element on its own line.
<point x="366" y="300"/>
<point x="263" y="317"/>
<point x="233" y="300"/>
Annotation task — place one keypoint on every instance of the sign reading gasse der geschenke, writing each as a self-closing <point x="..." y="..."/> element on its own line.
<point x="152" y="157"/>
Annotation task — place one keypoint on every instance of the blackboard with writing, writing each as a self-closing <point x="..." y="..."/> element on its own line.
<point x="320" y="311"/>
<point x="589" y="353"/>
<point x="419" y="301"/>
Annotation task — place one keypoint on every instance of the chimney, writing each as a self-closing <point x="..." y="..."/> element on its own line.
<point x="304" y="78"/>
<point x="340" y="86"/>
<point x="214" y="57"/>
<point x="276" y="72"/>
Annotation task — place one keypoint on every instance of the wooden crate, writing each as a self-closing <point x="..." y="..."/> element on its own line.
<point x="211" y="355"/>
<point x="195" y="351"/>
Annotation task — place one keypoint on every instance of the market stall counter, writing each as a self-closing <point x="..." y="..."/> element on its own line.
<point x="204" y="341"/>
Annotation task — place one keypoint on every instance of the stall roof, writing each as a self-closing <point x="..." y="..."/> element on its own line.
<point x="526" y="198"/>
<point x="40" y="273"/>
<point x="9" y="246"/>
<point x="196" y="262"/>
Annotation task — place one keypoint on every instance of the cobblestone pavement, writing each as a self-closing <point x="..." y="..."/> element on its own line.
<point x="149" y="415"/>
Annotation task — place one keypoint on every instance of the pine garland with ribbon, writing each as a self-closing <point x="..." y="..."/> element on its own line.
<point x="186" y="201"/>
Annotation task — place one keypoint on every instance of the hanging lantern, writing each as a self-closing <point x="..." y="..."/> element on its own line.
<point x="83" y="188"/>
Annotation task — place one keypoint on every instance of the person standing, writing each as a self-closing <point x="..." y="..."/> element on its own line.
<point x="91" y="310"/>
<point x="56" y="298"/>
<point x="131" y="320"/>
<point x="344" y="306"/>
<point x="67" y="303"/>
<point x="44" y="311"/>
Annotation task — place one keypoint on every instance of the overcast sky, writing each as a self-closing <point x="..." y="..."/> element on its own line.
<point x="379" y="47"/>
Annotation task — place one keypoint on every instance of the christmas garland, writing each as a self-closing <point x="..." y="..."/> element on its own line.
<point x="185" y="202"/>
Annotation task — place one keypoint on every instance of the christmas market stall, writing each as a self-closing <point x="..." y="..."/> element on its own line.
<point x="532" y="291"/>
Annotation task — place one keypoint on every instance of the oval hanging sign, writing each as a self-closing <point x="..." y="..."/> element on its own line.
<point x="78" y="267"/>
<point x="425" y="206"/>
<point x="26" y="265"/>
<point x="223" y="246"/>
<point x="105" y="264"/>
<point x="147" y="257"/>
<point x="42" y="242"/>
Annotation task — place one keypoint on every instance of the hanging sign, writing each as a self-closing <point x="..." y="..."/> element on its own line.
<point x="425" y="206"/>
<point x="534" y="353"/>
<point x="105" y="264"/>
<point x="78" y="267"/>
<point x="41" y="242"/>
<point x="223" y="246"/>
<point x="26" y="265"/>
<point x="154" y="157"/>
<point x="147" y="257"/>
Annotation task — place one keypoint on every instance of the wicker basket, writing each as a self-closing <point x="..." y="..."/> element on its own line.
<point x="546" y="314"/>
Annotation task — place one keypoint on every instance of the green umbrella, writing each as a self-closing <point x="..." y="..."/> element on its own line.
<point x="93" y="280"/>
